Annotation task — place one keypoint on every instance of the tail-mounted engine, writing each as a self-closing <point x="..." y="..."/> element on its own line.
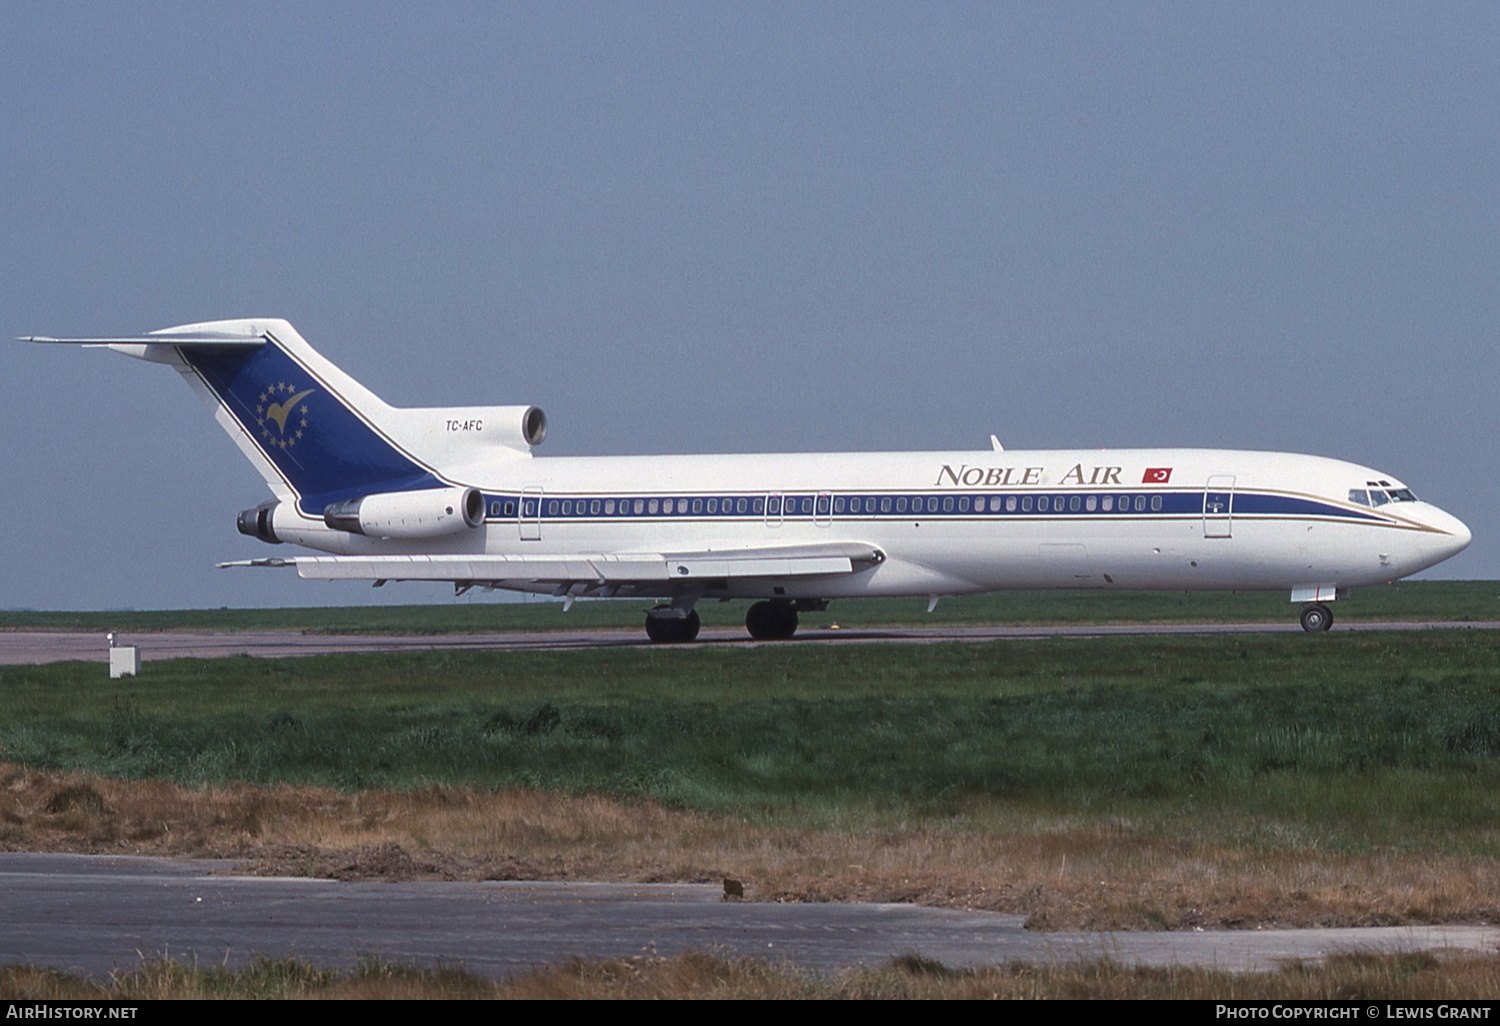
<point x="259" y="522"/>
<point x="430" y="513"/>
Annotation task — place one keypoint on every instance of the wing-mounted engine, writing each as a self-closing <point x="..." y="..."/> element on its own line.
<point x="429" y="513"/>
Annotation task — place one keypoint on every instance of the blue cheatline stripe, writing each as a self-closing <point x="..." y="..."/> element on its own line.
<point x="321" y="447"/>
<point x="1059" y="505"/>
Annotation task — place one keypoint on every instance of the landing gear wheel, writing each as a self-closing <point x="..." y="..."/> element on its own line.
<point x="771" y="621"/>
<point x="671" y="631"/>
<point x="1316" y="618"/>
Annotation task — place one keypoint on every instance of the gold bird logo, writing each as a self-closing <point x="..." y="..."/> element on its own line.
<point x="279" y="413"/>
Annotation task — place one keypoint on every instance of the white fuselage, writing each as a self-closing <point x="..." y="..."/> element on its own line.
<point x="1220" y="520"/>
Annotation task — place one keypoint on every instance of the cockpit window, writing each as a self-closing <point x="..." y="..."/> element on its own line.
<point x="1380" y="496"/>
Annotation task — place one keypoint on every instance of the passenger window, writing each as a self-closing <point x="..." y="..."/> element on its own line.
<point x="697" y="505"/>
<point x="838" y="505"/>
<point x="1074" y="502"/>
<point x="1010" y="504"/>
<point x="1025" y="504"/>
<point x="552" y="507"/>
<point x="1091" y="503"/>
<point x="947" y="504"/>
<point x="822" y="505"/>
<point x="900" y="504"/>
<point x="963" y="504"/>
<point x="1043" y="503"/>
<point x="741" y="505"/>
<point x="885" y="505"/>
<point x="758" y="506"/>
<point x="1140" y="504"/>
<point x="1156" y="503"/>
<point x="494" y="509"/>
<point x="510" y="508"/>
<point x="609" y="507"/>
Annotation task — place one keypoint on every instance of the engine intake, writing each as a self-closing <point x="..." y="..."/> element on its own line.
<point x="430" y="513"/>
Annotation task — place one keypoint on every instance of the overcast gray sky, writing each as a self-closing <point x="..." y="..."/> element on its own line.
<point x="740" y="227"/>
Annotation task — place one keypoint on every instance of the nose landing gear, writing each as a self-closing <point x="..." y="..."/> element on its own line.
<point x="1316" y="617"/>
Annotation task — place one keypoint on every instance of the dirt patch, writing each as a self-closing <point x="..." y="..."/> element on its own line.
<point x="1063" y="876"/>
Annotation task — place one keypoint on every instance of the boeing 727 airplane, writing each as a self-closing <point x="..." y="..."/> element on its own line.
<point x="454" y="494"/>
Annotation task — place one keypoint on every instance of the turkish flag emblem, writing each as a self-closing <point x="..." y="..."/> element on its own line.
<point x="1157" y="475"/>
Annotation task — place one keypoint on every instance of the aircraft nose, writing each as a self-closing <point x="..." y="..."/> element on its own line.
<point x="1461" y="536"/>
<point x="1456" y="533"/>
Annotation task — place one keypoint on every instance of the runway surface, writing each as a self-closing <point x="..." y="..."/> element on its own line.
<point x="94" y="914"/>
<point x="31" y="647"/>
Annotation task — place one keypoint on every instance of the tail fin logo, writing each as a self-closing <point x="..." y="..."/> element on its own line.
<point x="281" y="414"/>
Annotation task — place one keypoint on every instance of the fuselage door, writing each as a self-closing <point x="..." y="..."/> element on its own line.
<point x="531" y="514"/>
<point x="773" y="510"/>
<point x="1218" y="506"/>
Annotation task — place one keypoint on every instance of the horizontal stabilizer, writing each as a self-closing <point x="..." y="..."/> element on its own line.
<point x="206" y="339"/>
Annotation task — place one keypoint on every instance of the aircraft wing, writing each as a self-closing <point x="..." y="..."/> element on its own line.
<point x="596" y="573"/>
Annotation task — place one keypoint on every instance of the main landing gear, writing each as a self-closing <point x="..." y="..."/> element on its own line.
<point x="774" y="620"/>
<point x="1316" y="617"/>
<point x="668" y="630"/>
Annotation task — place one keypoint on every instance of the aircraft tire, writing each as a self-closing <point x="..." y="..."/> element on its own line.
<point x="1317" y="617"/>
<point x="667" y="631"/>
<point x="771" y="621"/>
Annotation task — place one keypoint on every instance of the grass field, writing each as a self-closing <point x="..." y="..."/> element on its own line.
<point x="1344" y="979"/>
<point x="1406" y="600"/>
<point x="1352" y="741"/>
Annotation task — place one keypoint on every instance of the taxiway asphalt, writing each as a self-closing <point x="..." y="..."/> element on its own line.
<point x="33" y="646"/>
<point x="95" y="914"/>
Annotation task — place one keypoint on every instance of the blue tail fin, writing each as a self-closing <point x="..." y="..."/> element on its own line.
<point x="310" y="424"/>
<point x="316" y="435"/>
<point x="305" y="425"/>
